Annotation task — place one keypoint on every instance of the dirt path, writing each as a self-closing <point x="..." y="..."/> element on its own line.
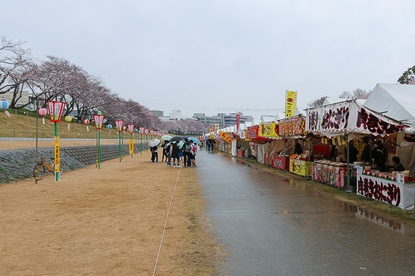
<point x="107" y="221"/>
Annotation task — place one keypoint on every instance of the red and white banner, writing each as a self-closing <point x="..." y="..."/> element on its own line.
<point x="348" y="117"/>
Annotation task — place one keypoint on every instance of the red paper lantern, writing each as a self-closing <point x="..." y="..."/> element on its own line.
<point x="86" y="122"/>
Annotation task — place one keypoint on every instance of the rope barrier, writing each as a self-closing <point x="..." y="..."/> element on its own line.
<point x="165" y="223"/>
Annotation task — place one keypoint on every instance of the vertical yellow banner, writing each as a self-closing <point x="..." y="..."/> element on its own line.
<point x="290" y="103"/>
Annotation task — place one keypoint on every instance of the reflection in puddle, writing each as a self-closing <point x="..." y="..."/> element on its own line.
<point x="372" y="217"/>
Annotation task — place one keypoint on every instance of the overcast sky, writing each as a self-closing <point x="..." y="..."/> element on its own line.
<point x="218" y="56"/>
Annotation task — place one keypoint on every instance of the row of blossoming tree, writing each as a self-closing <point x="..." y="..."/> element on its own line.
<point x="58" y="79"/>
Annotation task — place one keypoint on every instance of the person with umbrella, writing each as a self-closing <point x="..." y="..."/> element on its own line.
<point x="165" y="148"/>
<point x="187" y="152"/>
<point x="175" y="155"/>
<point x="153" y="144"/>
<point x="154" y="154"/>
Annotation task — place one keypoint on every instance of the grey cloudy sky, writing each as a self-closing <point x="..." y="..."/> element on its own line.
<point x="222" y="55"/>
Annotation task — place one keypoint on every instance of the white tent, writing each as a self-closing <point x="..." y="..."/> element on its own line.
<point x="328" y="100"/>
<point x="396" y="101"/>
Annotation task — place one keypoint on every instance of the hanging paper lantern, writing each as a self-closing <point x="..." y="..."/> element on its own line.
<point x="4" y="104"/>
<point x="68" y="119"/>
<point x="42" y="111"/>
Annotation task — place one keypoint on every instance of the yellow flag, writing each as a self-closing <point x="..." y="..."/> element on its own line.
<point x="290" y="103"/>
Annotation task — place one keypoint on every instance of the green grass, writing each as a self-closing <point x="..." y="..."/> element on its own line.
<point x="20" y="125"/>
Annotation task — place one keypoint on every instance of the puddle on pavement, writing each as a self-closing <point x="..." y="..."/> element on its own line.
<point x="361" y="213"/>
<point x="358" y="211"/>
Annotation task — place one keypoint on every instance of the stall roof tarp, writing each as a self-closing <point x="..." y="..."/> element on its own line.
<point x="337" y="100"/>
<point x="397" y="99"/>
<point x="348" y="117"/>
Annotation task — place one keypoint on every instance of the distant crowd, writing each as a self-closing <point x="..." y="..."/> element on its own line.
<point x="176" y="153"/>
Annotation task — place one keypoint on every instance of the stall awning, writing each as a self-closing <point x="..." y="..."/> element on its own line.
<point x="349" y="117"/>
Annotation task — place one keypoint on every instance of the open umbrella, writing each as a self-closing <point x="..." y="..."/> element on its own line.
<point x="166" y="137"/>
<point x="154" y="143"/>
<point x="176" y="139"/>
<point x="180" y="144"/>
<point x="195" y="140"/>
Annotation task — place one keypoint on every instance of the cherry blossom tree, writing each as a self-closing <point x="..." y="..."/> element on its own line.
<point x="14" y="64"/>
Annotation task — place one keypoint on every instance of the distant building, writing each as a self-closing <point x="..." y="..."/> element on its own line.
<point x="157" y="113"/>
<point x="222" y="119"/>
<point x="25" y="98"/>
<point x="175" y="115"/>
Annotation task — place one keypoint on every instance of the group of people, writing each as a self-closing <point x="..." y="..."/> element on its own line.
<point x="376" y="155"/>
<point x="174" y="153"/>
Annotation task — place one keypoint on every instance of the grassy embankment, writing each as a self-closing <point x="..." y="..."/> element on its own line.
<point x="25" y="126"/>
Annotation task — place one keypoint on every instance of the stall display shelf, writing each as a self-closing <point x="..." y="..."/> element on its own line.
<point x="330" y="173"/>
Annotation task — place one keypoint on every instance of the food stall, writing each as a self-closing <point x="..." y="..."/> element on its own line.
<point x="252" y="136"/>
<point x="394" y="188"/>
<point x="268" y="131"/>
<point x="349" y="120"/>
<point x="294" y="128"/>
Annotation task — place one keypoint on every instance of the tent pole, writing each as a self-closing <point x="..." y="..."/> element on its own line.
<point x="348" y="164"/>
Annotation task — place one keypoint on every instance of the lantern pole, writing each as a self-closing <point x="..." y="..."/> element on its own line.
<point x="119" y="124"/>
<point x="98" y="121"/>
<point x="55" y="111"/>
<point x="141" y="130"/>
<point x="130" y="129"/>
<point x="146" y="131"/>
<point x="37" y="139"/>
<point x="99" y="148"/>
<point x="119" y="145"/>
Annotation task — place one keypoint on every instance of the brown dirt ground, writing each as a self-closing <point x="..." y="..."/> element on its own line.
<point x="107" y="221"/>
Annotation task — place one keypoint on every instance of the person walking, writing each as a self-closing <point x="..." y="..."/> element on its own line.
<point x="193" y="153"/>
<point x="154" y="154"/>
<point x="175" y="155"/>
<point x="169" y="149"/>
<point x="164" y="147"/>
<point x="187" y="153"/>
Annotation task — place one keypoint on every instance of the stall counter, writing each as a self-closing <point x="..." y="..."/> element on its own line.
<point x="281" y="162"/>
<point x="330" y="173"/>
<point x="300" y="167"/>
<point x="394" y="192"/>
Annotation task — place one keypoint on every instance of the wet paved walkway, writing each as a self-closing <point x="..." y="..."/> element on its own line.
<point x="271" y="225"/>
